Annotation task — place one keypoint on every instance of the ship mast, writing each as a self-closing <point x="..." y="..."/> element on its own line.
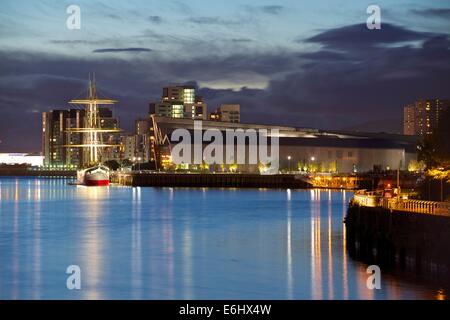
<point x="92" y="131"/>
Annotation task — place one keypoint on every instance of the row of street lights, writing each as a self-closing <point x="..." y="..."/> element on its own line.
<point x="289" y="159"/>
<point x="139" y="162"/>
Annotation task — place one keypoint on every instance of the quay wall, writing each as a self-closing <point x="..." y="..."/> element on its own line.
<point x="208" y="180"/>
<point x="36" y="173"/>
<point x="404" y="241"/>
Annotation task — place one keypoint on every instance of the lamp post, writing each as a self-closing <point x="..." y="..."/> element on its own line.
<point x="442" y="184"/>
<point x="312" y="168"/>
<point x="134" y="161"/>
<point x="289" y="160"/>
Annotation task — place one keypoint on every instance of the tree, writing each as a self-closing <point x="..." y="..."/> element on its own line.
<point x="333" y="166"/>
<point x="312" y="167"/>
<point x="434" y="149"/>
<point x="127" y="163"/>
<point x="441" y="139"/>
<point x="112" y="164"/>
<point x="416" y="166"/>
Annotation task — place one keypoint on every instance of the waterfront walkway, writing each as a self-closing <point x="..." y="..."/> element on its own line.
<point x="375" y="199"/>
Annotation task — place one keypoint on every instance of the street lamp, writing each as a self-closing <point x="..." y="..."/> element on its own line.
<point x="289" y="159"/>
<point x="442" y="185"/>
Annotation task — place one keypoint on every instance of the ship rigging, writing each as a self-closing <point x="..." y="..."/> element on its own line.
<point x="92" y="131"/>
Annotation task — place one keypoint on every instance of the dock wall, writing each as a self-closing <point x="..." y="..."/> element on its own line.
<point x="209" y="180"/>
<point x="400" y="240"/>
<point x="7" y="172"/>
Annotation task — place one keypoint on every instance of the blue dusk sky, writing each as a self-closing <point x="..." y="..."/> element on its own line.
<point x="302" y="63"/>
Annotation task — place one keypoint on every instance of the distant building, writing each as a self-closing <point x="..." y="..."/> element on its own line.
<point x="422" y="117"/>
<point x="227" y="113"/>
<point x="57" y="140"/>
<point x="179" y="102"/>
<point x="409" y="120"/>
<point x="128" y="146"/>
<point x="54" y="136"/>
<point x="72" y="156"/>
<point x="21" y="158"/>
<point x="139" y="144"/>
<point x="143" y="142"/>
<point x="107" y="121"/>
<point x="142" y="126"/>
<point x="300" y="149"/>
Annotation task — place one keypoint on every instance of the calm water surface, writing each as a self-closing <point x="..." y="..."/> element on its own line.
<point x="167" y="243"/>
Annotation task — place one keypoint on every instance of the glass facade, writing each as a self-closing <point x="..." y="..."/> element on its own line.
<point x="188" y="95"/>
<point x="177" y="111"/>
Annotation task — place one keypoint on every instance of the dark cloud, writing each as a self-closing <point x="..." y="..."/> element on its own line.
<point x="339" y="85"/>
<point x="443" y="13"/>
<point x="155" y="19"/>
<point x="359" y="36"/>
<point x="114" y="50"/>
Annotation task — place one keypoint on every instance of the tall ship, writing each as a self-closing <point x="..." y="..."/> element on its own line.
<point x="92" y="172"/>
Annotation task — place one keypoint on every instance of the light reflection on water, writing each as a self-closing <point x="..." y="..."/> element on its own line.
<point x="149" y="243"/>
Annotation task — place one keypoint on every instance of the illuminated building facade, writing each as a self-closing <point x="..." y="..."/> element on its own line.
<point x="227" y="113"/>
<point x="137" y="147"/>
<point x="54" y="125"/>
<point x="303" y="149"/>
<point x="422" y="117"/>
<point x="179" y="102"/>
<point x="57" y="137"/>
<point x="128" y="146"/>
<point x="21" y="158"/>
<point x="143" y="141"/>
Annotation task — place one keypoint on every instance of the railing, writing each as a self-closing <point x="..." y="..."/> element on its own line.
<point x="414" y="206"/>
<point x="418" y="206"/>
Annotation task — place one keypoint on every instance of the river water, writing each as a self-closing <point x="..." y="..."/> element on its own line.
<point x="181" y="243"/>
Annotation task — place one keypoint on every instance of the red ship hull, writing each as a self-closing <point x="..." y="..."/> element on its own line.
<point x="97" y="176"/>
<point x="97" y="183"/>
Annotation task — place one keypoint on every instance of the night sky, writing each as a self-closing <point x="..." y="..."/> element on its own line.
<point x="302" y="63"/>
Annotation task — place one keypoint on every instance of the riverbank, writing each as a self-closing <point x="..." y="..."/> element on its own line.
<point x="223" y="180"/>
<point x="218" y="180"/>
<point x="251" y="180"/>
